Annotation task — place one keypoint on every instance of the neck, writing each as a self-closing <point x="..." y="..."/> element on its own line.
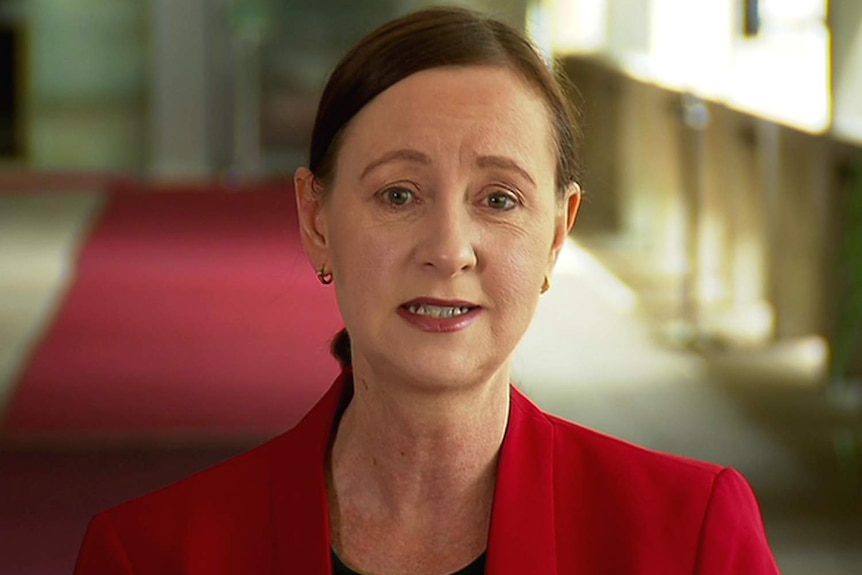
<point x="413" y="471"/>
<point x="406" y="450"/>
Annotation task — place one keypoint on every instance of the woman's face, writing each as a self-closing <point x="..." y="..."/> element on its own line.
<point x="440" y="224"/>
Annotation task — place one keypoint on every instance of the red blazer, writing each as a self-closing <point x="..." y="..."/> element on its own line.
<point x="568" y="500"/>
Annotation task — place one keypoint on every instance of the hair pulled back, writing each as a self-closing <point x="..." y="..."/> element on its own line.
<point x="435" y="38"/>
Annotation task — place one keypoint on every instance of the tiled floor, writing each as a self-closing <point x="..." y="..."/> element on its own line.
<point x="592" y="355"/>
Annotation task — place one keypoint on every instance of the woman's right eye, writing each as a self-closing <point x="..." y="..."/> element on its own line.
<point x="398" y="196"/>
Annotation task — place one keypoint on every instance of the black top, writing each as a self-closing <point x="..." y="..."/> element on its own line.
<point x="477" y="567"/>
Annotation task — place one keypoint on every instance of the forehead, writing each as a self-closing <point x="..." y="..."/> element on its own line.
<point x="459" y="111"/>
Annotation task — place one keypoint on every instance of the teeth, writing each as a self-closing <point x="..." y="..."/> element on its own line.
<point x="437" y="312"/>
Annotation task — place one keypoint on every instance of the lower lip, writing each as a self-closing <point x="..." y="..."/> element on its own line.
<point x="440" y="325"/>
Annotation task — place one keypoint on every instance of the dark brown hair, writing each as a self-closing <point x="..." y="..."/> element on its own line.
<point x="435" y="38"/>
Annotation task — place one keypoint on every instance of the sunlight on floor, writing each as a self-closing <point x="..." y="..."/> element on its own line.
<point x="574" y="260"/>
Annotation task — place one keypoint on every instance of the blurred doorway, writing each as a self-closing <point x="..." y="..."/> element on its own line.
<point x="10" y="91"/>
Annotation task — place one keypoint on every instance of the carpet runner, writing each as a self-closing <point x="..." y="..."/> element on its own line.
<point x="193" y="314"/>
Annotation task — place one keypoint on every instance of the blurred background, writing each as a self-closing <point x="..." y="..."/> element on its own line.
<point x="157" y="314"/>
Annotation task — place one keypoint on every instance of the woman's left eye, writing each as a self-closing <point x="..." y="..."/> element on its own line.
<point x="502" y="201"/>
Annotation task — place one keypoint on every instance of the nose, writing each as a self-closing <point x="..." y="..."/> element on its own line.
<point x="447" y="237"/>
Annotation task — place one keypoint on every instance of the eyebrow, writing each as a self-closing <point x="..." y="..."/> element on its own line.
<point x="404" y="155"/>
<point x="505" y="164"/>
<point x="415" y="156"/>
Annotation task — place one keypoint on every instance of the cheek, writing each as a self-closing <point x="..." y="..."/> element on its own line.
<point x="518" y="270"/>
<point x="363" y="261"/>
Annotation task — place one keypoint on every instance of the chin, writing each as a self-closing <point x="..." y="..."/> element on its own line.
<point x="437" y="370"/>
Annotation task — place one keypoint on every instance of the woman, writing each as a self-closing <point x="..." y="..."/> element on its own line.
<point x="441" y="185"/>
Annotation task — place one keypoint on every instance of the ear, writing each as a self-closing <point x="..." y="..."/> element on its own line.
<point x="312" y="220"/>
<point x="566" y="220"/>
<point x="573" y="205"/>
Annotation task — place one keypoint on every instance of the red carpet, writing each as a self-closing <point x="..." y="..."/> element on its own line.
<point x="193" y="313"/>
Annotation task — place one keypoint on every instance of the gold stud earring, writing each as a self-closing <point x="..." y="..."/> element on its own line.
<point x="324" y="276"/>
<point x="547" y="285"/>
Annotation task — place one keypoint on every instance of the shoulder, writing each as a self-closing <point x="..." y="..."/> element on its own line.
<point x="613" y="462"/>
<point x="668" y="511"/>
<point x="630" y="484"/>
<point x="578" y="445"/>
<point x="653" y="494"/>
<point x="223" y="519"/>
<point x="224" y="509"/>
<point x="221" y="487"/>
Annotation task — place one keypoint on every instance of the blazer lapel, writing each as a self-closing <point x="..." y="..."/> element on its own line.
<point x="522" y="538"/>
<point x="299" y="489"/>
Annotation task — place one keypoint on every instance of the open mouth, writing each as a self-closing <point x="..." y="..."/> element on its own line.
<point x="437" y="311"/>
<point x="441" y="316"/>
